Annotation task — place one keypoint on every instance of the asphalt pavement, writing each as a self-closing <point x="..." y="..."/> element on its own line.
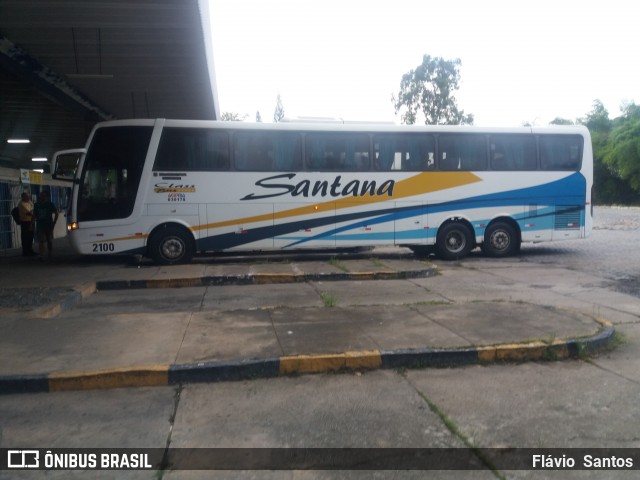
<point x="76" y="322"/>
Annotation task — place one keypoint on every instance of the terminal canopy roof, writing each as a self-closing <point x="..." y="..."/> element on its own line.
<point x="67" y="64"/>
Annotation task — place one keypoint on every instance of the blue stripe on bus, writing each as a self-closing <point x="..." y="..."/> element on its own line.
<point x="567" y="191"/>
<point x="547" y="193"/>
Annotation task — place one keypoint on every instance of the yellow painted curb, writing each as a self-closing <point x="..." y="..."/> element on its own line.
<point x="559" y="349"/>
<point x="142" y="376"/>
<point x="604" y="323"/>
<point x="520" y="352"/>
<point x="86" y="289"/>
<point x="330" y="362"/>
<point x="269" y="278"/>
<point x="512" y="352"/>
<point x="362" y="275"/>
<point x="175" y="283"/>
<point x="49" y="311"/>
<point x="365" y="359"/>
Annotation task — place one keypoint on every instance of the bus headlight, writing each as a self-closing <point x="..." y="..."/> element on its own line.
<point x="72" y="226"/>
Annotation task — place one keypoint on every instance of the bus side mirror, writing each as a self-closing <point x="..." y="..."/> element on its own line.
<point x="65" y="164"/>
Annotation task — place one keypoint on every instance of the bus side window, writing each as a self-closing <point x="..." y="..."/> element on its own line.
<point x="413" y="152"/>
<point x="251" y="151"/>
<point x="190" y="149"/>
<point x="512" y="152"/>
<point x="462" y="152"/>
<point x="217" y="148"/>
<point x="448" y="158"/>
<point x="560" y="152"/>
<point x="341" y="152"/>
<point x="267" y="151"/>
<point x="287" y="152"/>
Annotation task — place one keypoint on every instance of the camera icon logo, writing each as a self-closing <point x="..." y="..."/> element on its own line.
<point x="23" y="459"/>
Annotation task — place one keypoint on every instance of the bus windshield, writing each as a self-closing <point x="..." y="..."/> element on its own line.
<point x="112" y="171"/>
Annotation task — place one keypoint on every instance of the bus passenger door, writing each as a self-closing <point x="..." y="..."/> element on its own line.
<point x="411" y="224"/>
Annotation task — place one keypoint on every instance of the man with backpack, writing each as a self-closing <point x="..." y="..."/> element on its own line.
<point x="46" y="216"/>
<point x="26" y="222"/>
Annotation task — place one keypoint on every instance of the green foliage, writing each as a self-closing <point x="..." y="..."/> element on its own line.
<point x="560" y="121"/>
<point x="329" y="300"/>
<point x="622" y="152"/>
<point x="428" y="90"/>
<point x="598" y="119"/>
<point x="609" y="188"/>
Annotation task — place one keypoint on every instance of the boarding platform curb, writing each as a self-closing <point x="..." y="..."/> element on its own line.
<point x="264" y="279"/>
<point x="83" y="291"/>
<point x="67" y="303"/>
<point x="248" y="369"/>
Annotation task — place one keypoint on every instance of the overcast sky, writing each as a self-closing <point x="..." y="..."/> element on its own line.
<point x="521" y="61"/>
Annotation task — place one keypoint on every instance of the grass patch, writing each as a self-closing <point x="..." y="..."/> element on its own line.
<point x="272" y="261"/>
<point x="328" y="299"/>
<point x="585" y="353"/>
<point x="334" y="262"/>
<point x="376" y="262"/>
<point x="452" y="426"/>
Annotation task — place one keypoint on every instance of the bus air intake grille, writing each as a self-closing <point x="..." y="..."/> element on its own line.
<point x="568" y="217"/>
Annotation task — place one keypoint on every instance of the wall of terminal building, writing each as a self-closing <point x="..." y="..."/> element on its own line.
<point x="13" y="182"/>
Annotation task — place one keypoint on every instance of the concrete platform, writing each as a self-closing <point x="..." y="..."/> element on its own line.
<point x="230" y="318"/>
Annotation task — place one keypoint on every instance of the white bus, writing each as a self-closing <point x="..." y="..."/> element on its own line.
<point x="170" y="188"/>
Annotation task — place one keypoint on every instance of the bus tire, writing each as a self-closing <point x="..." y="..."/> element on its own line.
<point x="500" y="240"/>
<point x="171" y="244"/>
<point x="454" y="241"/>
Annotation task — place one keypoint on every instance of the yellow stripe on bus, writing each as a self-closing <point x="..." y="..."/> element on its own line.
<point x="425" y="182"/>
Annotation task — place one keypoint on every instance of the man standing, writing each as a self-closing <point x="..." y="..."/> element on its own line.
<point x="46" y="215"/>
<point x="25" y="212"/>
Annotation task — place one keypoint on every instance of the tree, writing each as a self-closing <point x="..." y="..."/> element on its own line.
<point x="622" y="153"/>
<point x="428" y="89"/>
<point x="232" y="117"/>
<point x="278" y="114"/>
<point x="598" y="119"/>
<point x="560" y="121"/>
<point x="608" y="187"/>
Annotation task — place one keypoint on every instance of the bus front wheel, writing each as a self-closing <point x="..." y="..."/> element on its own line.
<point x="454" y="241"/>
<point x="171" y="244"/>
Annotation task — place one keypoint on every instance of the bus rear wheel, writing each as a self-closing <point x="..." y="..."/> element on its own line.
<point x="171" y="244"/>
<point x="500" y="240"/>
<point x="454" y="241"/>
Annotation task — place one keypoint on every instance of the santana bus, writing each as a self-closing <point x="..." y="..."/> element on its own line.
<point x="170" y="188"/>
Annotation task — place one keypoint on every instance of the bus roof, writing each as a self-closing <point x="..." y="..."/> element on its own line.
<point x="345" y="127"/>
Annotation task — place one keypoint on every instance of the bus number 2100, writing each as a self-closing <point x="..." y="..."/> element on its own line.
<point x="103" y="247"/>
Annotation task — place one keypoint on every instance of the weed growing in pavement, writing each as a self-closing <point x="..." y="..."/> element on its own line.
<point x="617" y="339"/>
<point x="272" y="261"/>
<point x="328" y="299"/>
<point x="453" y="427"/>
<point x="430" y="302"/>
<point x="377" y="262"/>
<point x="550" y="354"/>
<point x="583" y="351"/>
<point x="333" y="261"/>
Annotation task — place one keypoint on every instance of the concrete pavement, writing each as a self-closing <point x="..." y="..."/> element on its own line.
<point x="88" y="322"/>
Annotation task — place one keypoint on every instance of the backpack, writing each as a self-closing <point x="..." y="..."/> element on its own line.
<point x="15" y="213"/>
